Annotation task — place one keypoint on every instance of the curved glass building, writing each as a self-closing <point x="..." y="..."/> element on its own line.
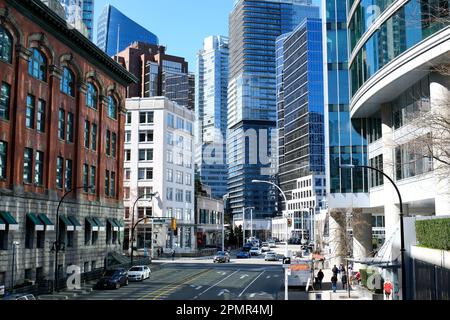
<point x="116" y="31"/>
<point x="398" y="50"/>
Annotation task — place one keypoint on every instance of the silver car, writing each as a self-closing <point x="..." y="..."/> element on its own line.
<point x="221" y="256"/>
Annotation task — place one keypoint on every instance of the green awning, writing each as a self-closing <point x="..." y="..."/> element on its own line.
<point x="10" y="221"/>
<point x="49" y="225"/>
<point x="100" y="224"/>
<point x="38" y="225"/>
<point x="68" y="223"/>
<point x="121" y="224"/>
<point x="2" y="224"/>
<point x="76" y="223"/>
<point x="114" y="224"/>
<point x="91" y="222"/>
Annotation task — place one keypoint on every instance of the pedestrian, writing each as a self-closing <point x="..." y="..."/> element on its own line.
<point x="388" y="289"/>
<point x="335" y="270"/>
<point x="334" y="280"/>
<point x="162" y="251"/>
<point x="344" y="281"/>
<point x="158" y="252"/>
<point x="173" y="254"/>
<point x="358" y="277"/>
<point x="320" y="276"/>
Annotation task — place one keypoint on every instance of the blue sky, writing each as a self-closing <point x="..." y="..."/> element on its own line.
<point x="181" y="25"/>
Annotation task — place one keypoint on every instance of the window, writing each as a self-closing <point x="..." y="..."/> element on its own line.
<point x="189" y="127"/>
<point x="70" y="118"/>
<point x="40" y="120"/>
<point x="27" y="165"/>
<point x="93" y="178"/>
<point x="113" y="184"/>
<point x="146" y="136"/>
<point x="94" y="137"/>
<point x="68" y="176"/>
<point x="128" y="117"/>
<point x="37" y="65"/>
<point x="3" y="154"/>
<point x="107" y="183"/>
<point x="169" y="175"/>
<point x="189" y="196"/>
<point x="127" y="155"/>
<point x="30" y="112"/>
<point x="169" y="138"/>
<point x="145" y="154"/>
<point x="179" y="195"/>
<point x="87" y="125"/>
<point x="5" y="94"/>
<point x="188" y="179"/>
<point x="145" y="174"/>
<point x="91" y="96"/>
<point x="171" y="120"/>
<point x="85" y="178"/>
<point x="169" y="156"/>
<point x="113" y="144"/>
<point x="59" y="172"/>
<point x="145" y="192"/>
<point x="188" y="162"/>
<point x="39" y="169"/>
<point x="108" y="142"/>
<point x="180" y="141"/>
<point x="127" y="174"/>
<point x="180" y="123"/>
<point x="29" y="234"/>
<point x="169" y="195"/>
<point x="146" y="117"/>
<point x="179" y="177"/>
<point x="67" y="84"/>
<point x="126" y="193"/>
<point x="127" y="136"/>
<point x="179" y="159"/>
<point x="5" y="45"/>
<point x="61" y="124"/>
<point x="112" y="108"/>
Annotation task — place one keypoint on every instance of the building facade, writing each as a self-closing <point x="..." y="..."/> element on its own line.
<point x="115" y="31"/>
<point x="401" y="90"/>
<point x="61" y="129"/>
<point x="160" y="74"/>
<point x="253" y="29"/>
<point x="80" y="13"/>
<point x="211" y="114"/>
<point x="159" y="158"/>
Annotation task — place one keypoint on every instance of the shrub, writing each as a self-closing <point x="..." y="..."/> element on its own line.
<point x="434" y="233"/>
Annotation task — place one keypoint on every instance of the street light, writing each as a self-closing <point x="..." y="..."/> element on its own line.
<point x="402" y="232"/>
<point x="145" y="195"/>
<point x="57" y="244"/>
<point x="286" y="280"/>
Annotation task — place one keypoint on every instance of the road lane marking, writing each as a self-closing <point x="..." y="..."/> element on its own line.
<point x="198" y="288"/>
<point x="223" y="292"/>
<point x="218" y="282"/>
<point x="250" y="284"/>
<point x="268" y="277"/>
<point x="244" y="276"/>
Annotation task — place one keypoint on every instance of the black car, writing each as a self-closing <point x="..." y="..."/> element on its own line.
<point x="113" y="279"/>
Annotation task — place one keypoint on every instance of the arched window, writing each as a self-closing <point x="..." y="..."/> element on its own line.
<point x="37" y="65"/>
<point x="67" y="84"/>
<point x="91" y="96"/>
<point x="5" y="45"/>
<point x="112" y="108"/>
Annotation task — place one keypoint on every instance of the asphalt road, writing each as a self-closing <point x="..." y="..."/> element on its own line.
<point x="252" y="279"/>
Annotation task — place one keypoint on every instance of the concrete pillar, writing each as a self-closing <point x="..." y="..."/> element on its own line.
<point x="362" y="234"/>
<point x="338" y="238"/>
<point x="439" y="103"/>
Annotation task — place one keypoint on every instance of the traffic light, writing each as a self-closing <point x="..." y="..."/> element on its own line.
<point x="289" y="223"/>
<point x="173" y="226"/>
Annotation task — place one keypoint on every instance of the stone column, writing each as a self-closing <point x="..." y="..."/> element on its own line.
<point x="362" y="234"/>
<point x="439" y="103"/>
<point x="337" y="238"/>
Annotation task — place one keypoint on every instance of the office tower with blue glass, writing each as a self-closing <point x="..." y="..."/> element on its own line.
<point x="211" y="114"/>
<point x="80" y="13"/>
<point x="116" y="31"/>
<point x="254" y="27"/>
<point x="346" y="188"/>
<point x="301" y="141"/>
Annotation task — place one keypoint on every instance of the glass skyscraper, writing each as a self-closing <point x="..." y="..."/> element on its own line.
<point x="211" y="114"/>
<point x="114" y="26"/>
<point x="80" y="13"/>
<point x="300" y="104"/>
<point x="344" y="137"/>
<point x="254" y="27"/>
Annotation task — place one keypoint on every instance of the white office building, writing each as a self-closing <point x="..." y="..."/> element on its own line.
<point x="159" y="159"/>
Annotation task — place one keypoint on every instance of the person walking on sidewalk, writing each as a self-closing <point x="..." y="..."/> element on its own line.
<point x="334" y="280"/>
<point x="335" y="270"/>
<point x="173" y="254"/>
<point x="344" y="281"/>
<point x="320" y="276"/>
<point x="388" y="289"/>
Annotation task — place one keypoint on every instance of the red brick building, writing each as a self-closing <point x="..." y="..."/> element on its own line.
<point x="61" y="128"/>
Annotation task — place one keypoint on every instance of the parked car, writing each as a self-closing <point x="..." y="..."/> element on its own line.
<point x="247" y="247"/>
<point x="139" y="273"/>
<point x="243" y="255"/>
<point x="113" y="279"/>
<point x="255" y="251"/>
<point x="265" y="247"/>
<point x="271" y="256"/>
<point x="221" y="256"/>
<point x="20" y="297"/>
<point x="272" y="244"/>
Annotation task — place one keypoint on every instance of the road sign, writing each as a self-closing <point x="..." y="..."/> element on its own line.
<point x="161" y="221"/>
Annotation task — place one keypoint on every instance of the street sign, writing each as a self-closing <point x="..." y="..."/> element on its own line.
<point x="161" y="221"/>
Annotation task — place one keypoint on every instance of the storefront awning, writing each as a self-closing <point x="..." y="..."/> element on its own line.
<point x="114" y="225"/>
<point x="49" y="225"/>
<point x="100" y="224"/>
<point x="38" y="225"/>
<point x="69" y="225"/>
<point x="2" y="224"/>
<point x="91" y="222"/>
<point x="10" y="221"/>
<point x="76" y="223"/>
<point x="120" y="224"/>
